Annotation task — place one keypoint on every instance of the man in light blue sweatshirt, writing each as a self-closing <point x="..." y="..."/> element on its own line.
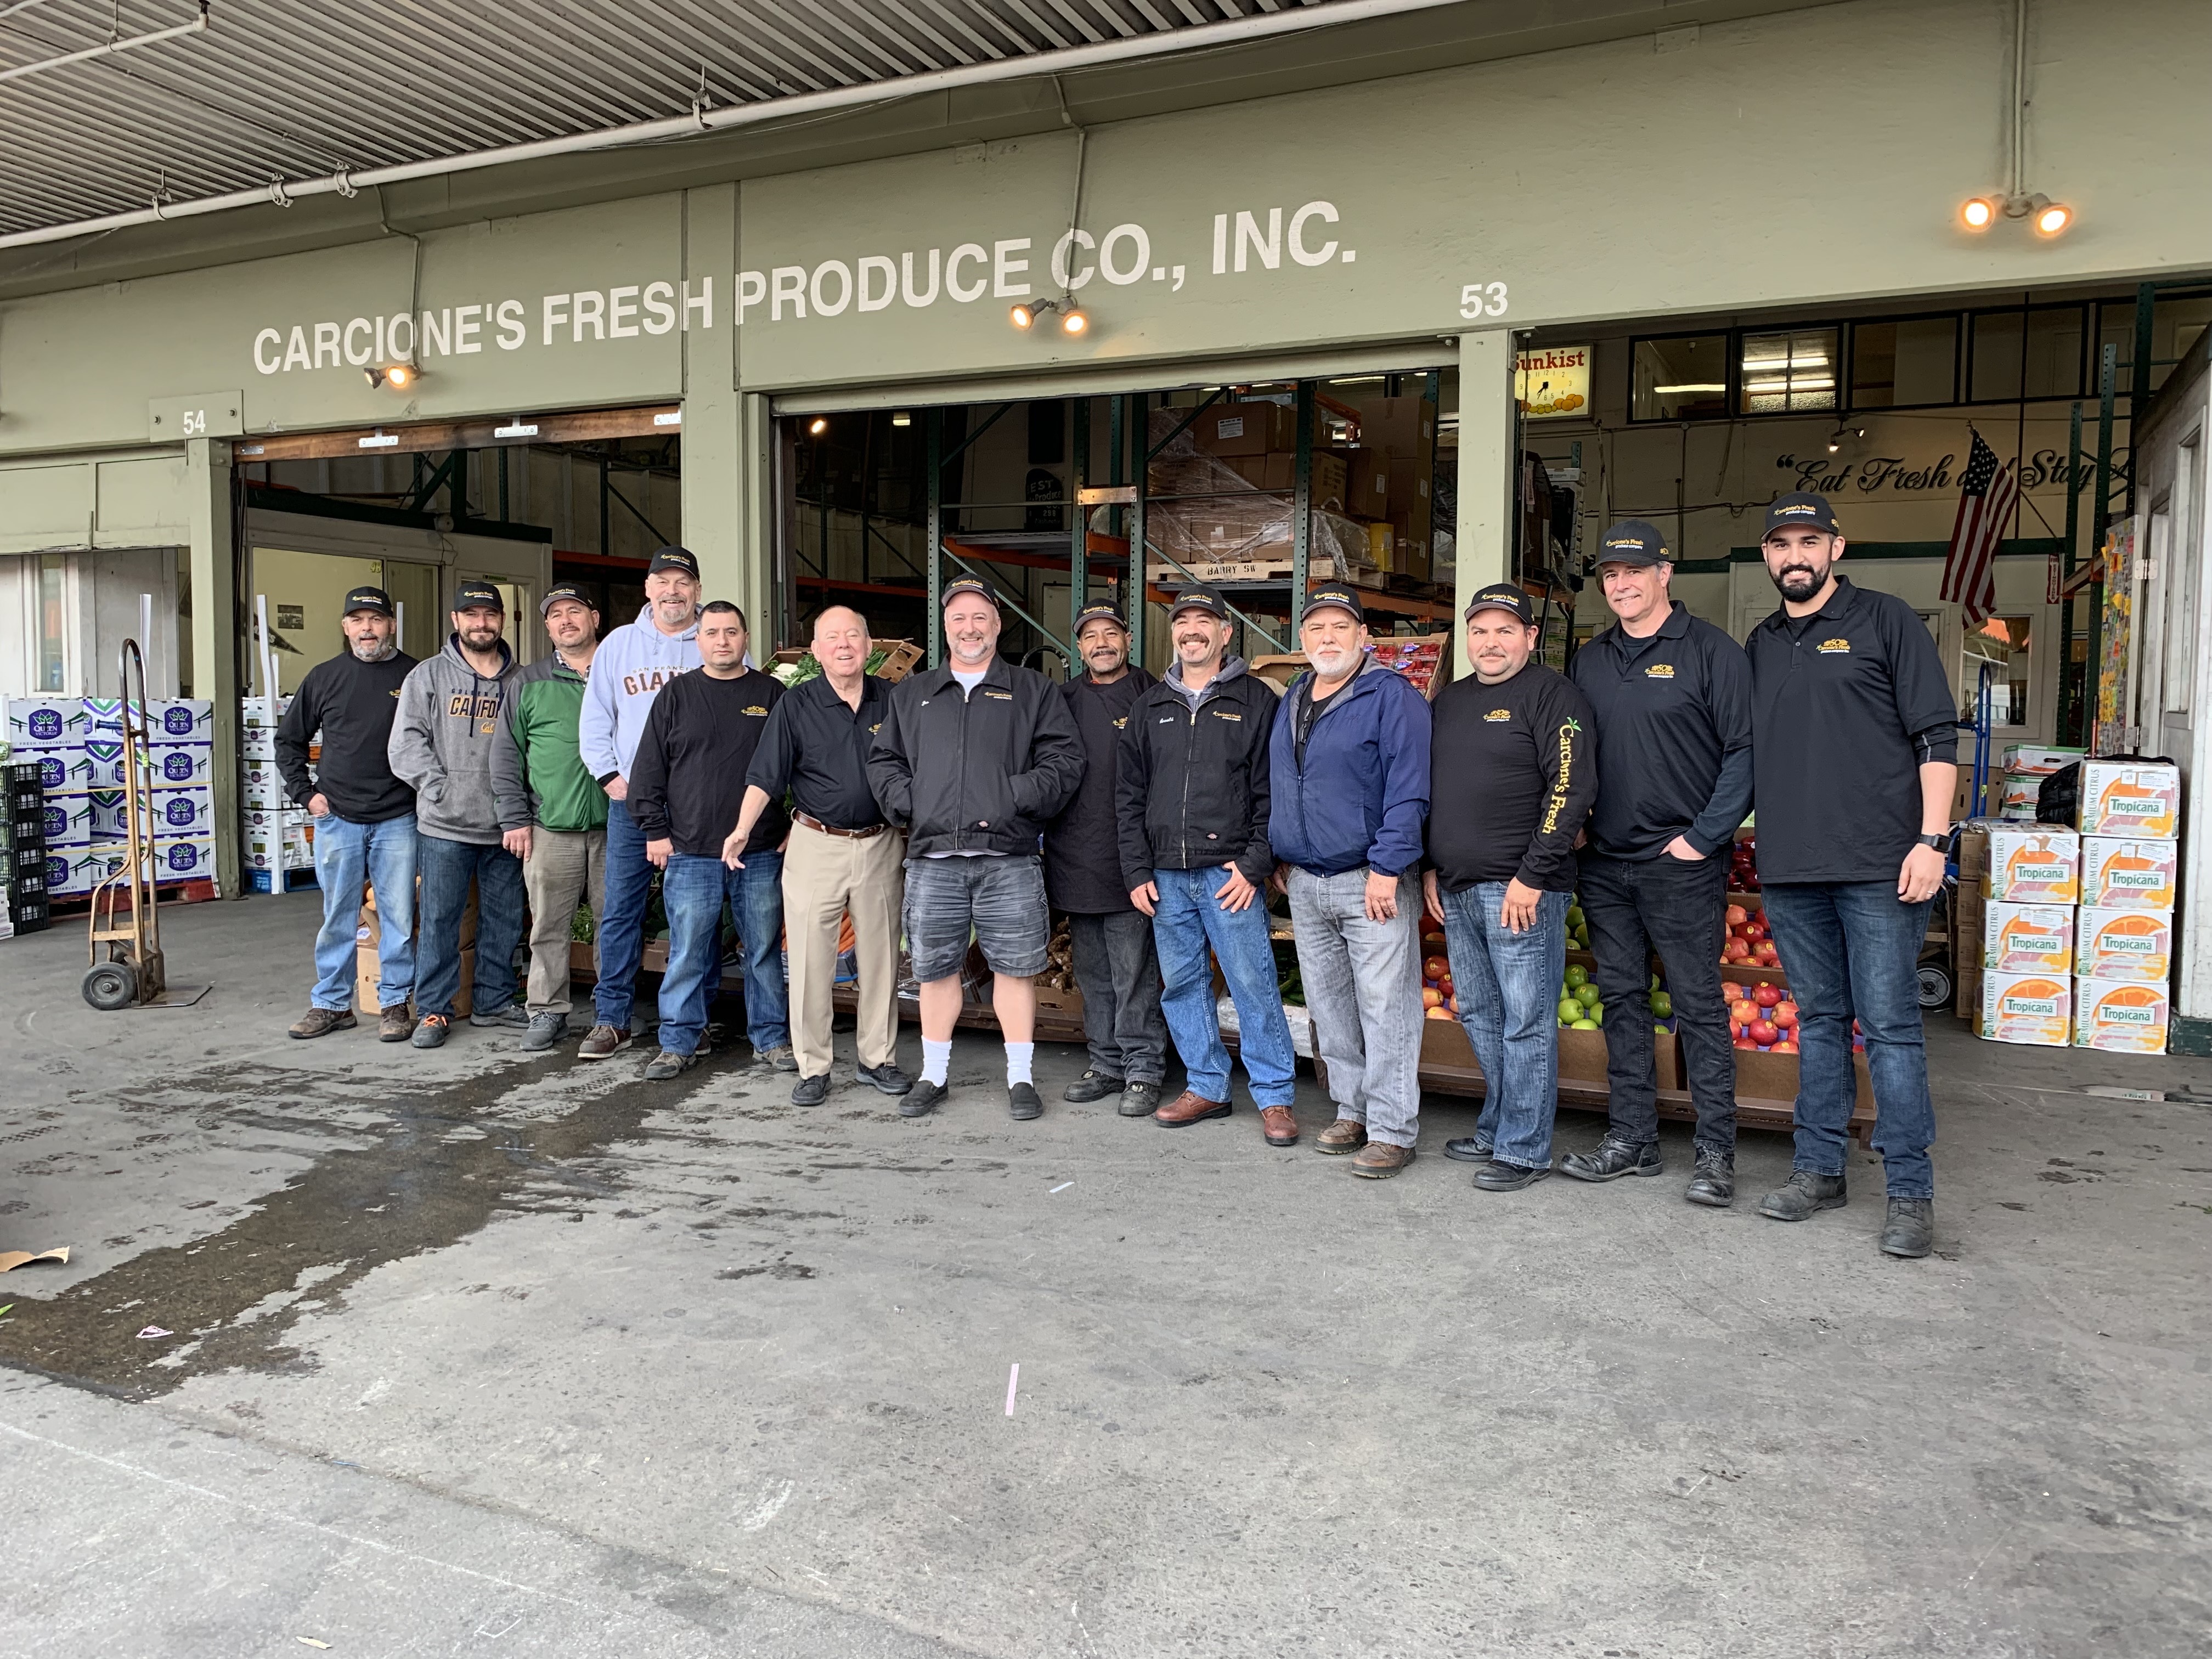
<point x="634" y="663"/>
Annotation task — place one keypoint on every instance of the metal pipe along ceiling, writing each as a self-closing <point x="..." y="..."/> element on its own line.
<point x="803" y="55"/>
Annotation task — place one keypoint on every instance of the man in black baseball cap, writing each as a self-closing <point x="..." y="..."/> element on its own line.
<point x="364" y="817"/>
<point x="1799" y="507"/>
<point x="1672" y="696"/>
<point x="1338" y="595"/>
<point x="673" y="558"/>
<point x="1115" y="967"/>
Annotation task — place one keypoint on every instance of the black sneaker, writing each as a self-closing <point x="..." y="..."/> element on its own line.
<point x="887" y="1076"/>
<point x="513" y="1014"/>
<point x="1022" y="1102"/>
<point x="1093" y="1084"/>
<point x="545" y="1030"/>
<point x="1612" y="1158"/>
<point x="1714" y="1184"/>
<point x="1139" y="1100"/>
<point x="1911" y="1229"/>
<point x="1500" y="1177"/>
<point x="667" y="1064"/>
<point x="1467" y="1150"/>
<point x="810" y="1090"/>
<point x="922" y="1099"/>
<point x="1803" y="1196"/>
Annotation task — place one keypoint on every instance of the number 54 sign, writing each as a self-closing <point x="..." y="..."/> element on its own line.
<point x="202" y="415"/>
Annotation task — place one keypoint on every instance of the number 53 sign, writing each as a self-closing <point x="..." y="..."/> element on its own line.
<point x="1482" y="300"/>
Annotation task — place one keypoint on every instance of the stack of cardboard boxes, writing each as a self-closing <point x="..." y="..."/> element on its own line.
<point x="2076" y="925"/>
<point x="2016" y="787"/>
<point x="77" y="744"/>
<point x="279" y="836"/>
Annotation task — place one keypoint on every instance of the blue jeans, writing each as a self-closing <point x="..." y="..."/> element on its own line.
<point x="1852" y="950"/>
<point x="621" y="930"/>
<point x="1188" y="919"/>
<point x="694" y="890"/>
<point x="1508" y="985"/>
<point x="382" y="855"/>
<point x="446" y="867"/>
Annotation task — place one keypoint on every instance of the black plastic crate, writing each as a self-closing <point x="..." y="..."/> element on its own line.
<point x="29" y="915"/>
<point x="27" y="855"/>
<point x="27" y="884"/>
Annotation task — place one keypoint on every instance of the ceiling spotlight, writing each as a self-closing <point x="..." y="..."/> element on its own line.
<point x="1075" y="322"/>
<point x="2046" y="217"/>
<point x="817" y="426"/>
<point x="2052" y="218"/>
<point x="1023" y="316"/>
<point x="1842" y="436"/>
<point x="1977" y="213"/>
<point x="900" y="417"/>
<point x="399" y="376"/>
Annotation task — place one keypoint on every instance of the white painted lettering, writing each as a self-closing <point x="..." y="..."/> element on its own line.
<point x="267" y="365"/>
<point x="866" y="297"/>
<point x="1324" y="211"/>
<point x="965" y="252"/>
<point x="1220" y="244"/>
<point x="326" y="343"/>
<point x="659" y="315"/>
<point x="704" y="304"/>
<point x="297" y="352"/>
<point x="788" y="282"/>
<point x="1249" y="239"/>
<point x="511" y="333"/>
<point x="380" y="339"/>
<point x="358" y="358"/>
<point x="1062" y="274"/>
<point x="556" y="313"/>
<point x="468" y="323"/>
<point x="588" y="306"/>
<point x="1133" y="233"/>
<point x="906" y="281"/>
<point x="397" y="352"/>
<point x="1005" y="268"/>
<point x="438" y="330"/>
<point x="843" y="273"/>
<point x="621" y="304"/>
<point x="752" y="290"/>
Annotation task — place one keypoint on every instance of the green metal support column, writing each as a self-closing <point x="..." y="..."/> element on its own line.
<point x="1078" y="540"/>
<point x="1302" y="508"/>
<point x="2100" y="518"/>
<point x="1136" y="431"/>
<point x="935" y="424"/>
<point x="505" y="517"/>
<point x="2069" y="687"/>
<point x="2139" y="370"/>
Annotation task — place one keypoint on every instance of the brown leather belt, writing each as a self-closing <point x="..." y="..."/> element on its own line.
<point x="815" y="824"/>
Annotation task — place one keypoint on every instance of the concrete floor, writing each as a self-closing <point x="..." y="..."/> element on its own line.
<point x="478" y="1352"/>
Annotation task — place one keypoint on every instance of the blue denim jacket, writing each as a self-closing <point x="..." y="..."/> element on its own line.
<point x="1362" y="796"/>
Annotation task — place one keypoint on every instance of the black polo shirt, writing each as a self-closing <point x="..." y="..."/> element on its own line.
<point x="1847" y="705"/>
<point x="817" y="748"/>
<point x="1673" y="736"/>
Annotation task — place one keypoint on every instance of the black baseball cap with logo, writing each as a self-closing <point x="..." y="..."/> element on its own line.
<point x="967" y="585"/>
<point x="1633" y="541"/>
<point x="1339" y="594"/>
<point x="1099" y="613"/>
<point x="1800" y="509"/>
<point x="1503" y="595"/>
<point x="369" y="599"/>
<point x="479" y="596"/>
<point x="1205" y="599"/>
<point x="672" y="557"/>
<point x="565" y="591"/>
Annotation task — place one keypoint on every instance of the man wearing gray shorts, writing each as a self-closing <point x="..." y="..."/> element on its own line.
<point x="972" y="759"/>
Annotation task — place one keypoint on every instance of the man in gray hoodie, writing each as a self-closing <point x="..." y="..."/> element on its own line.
<point x="443" y="740"/>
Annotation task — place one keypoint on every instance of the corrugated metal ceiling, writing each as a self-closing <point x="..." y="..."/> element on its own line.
<point x="289" y="89"/>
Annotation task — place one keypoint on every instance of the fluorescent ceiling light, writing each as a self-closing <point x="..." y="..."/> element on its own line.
<point x="1699" y="385"/>
<point x="673" y="417"/>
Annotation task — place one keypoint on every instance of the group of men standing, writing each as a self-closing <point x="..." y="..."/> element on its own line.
<point x="960" y="806"/>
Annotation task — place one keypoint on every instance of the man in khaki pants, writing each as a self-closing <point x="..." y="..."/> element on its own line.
<point x="552" y="812"/>
<point x="842" y="856"/>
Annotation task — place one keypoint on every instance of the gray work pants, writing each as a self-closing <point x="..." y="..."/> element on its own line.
<point x="1363" y="981"/>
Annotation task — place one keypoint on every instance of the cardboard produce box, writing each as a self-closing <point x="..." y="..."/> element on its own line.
<point x="2130" y="875"/>
<point x="2026" y="1008"/>
<point x="1400" y="427"/>
<point x="1367" y="482"/>
<point x="1412" y="483"/>
<point x="1774" y="1077"/>
<point x="2038" y="865"/>
<point x="2135" y="799"/>
<point x="2027" y="939"/>
<point x="2126" y="1016"/>
<point x="1247" y="430"/>
<point x="2136" y="945"/>
<point x="366" y="974"/>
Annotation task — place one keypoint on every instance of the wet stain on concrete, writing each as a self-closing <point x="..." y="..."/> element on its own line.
<point x="233" y="1297"/>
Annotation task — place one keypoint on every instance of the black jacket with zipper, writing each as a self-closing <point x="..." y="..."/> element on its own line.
<point x="980" y="773"/>
<point x="1193" y="789"/>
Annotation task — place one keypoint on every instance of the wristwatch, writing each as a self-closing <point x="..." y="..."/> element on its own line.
<point x="1935" y="841"/>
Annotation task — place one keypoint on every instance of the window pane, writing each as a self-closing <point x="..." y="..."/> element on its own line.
<point x="2054" y="353"/>
<point x="1903" y="364"/>
<point x="2001" y="643"/>
<point x="1790" y="373"/>
<point x="1996" y="356"/>
<point x="1679" y="379"/>
<point x="52" y="622"/>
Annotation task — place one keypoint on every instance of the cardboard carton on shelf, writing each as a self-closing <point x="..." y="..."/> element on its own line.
<point x="2134" y="798"/>
<point x="1367" y="482"/>
<point x="2038" y="863"/>
<point x="2120" y="874"/>
<point x="2135" y="945"/>
<point x="1412" y="479"/>
<point x="2040" y="760"/>
<point x="2027" y="939"/>
<point x="1402" y="428"/>
<point x="2026" y="1008"/>
<point x="1251" y="429"/>
<point x="2123" y="1016"/>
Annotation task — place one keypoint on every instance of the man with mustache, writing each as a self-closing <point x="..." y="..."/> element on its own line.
<point x="1115" y="967"/>
<point x="1856" y="751"/>
<point x="974" y="758"/>
<point x="1348" y="791"/>
<point x="364" y="817"/>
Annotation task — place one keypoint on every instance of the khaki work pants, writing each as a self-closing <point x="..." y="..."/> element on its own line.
<point x="565" y="868"/>
<point x="824" y="876"/>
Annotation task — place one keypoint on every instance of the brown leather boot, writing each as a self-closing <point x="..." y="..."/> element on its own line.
<point x="1342" y="1136"/>
<point x="1186" y="1109"/>
<point x="1279" y="1127"/>
<point x="1378" y="1160"/>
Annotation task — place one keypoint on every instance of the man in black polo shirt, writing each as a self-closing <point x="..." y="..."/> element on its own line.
<point x="1511" y="779"/>
<point x="1857" y="756"/>
<point x="1671" y="695"/>
<point x="842" y="858"/>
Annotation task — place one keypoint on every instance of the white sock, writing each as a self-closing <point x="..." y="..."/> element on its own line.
<point x="1018" y="1055"/>
<point x="936" y="1060"/>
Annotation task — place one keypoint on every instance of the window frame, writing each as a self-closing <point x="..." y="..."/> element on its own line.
<point x="1959" y="330"/>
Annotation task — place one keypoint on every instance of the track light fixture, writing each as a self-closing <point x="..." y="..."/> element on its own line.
<point x="1073" y="319"/>
<point x="1842" y="436"/>
<point x="2046" y="217"/>
<point x="398" y="376"/>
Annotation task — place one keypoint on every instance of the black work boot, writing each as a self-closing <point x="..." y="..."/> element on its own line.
<point x="1612" y="1158"/>
<point x="1714" y="1184"/>
<point x="1911" y="1229"/>
<point x="1093" y="1084"/>
<point x="1804" y="1196"/>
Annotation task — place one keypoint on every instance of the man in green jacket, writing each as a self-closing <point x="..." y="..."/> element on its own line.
<point x="552" y="812"/>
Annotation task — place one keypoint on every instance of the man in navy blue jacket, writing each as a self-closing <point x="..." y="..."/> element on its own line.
<point x="1349" y="789"/>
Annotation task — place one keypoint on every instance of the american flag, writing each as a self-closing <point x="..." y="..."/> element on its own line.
<point x="1986" y="495"/>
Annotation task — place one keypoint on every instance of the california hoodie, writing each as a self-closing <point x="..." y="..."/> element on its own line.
<point x="442" y="739"/>
<point x="633" y="664"/>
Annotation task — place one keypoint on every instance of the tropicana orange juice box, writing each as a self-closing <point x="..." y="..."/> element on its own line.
<point x="2027" y="939"/>
<point x="2117" y="1014"/>
<point x="2135" y="945"/>
<point x="2032" y="1008"/>
<point x="2130" y="875"/>
<point x="2033" y="864"/>
<point x="2130" y="798"/>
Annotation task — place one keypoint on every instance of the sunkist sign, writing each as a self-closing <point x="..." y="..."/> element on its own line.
<point x="1238" y="246"/>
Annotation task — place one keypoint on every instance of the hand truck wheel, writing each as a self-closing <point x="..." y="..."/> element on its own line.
<point x="109" y="986"/>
